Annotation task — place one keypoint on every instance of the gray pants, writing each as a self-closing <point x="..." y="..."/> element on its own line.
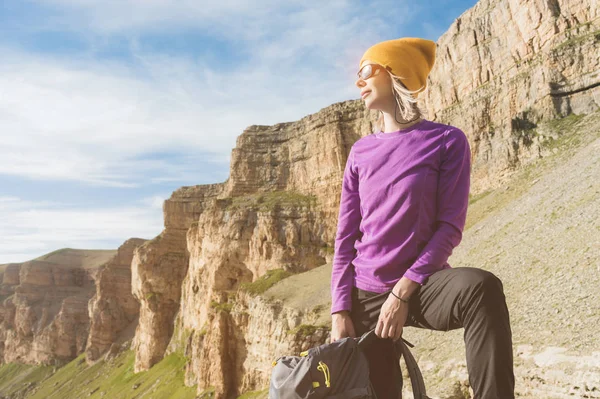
<point x="451" y="298"/>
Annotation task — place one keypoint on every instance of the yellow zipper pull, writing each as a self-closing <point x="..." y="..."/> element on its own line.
<point x="323" y="367"/>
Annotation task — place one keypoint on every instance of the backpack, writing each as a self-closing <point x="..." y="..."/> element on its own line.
<point x="338" y="370"/>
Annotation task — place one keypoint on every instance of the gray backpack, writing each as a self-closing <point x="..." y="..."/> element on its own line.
<point x="338" y="370"/>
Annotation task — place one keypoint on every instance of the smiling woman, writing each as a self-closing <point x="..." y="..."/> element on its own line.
<point x="377" y="64"/>
<point x="403" y="208"/>
<point x="409" y="109"/>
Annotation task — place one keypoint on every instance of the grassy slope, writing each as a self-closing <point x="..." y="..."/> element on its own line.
<point x="16" y="379"/>
<point x="113" y="379"/>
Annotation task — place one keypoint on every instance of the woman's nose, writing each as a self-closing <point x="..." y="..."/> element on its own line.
<point x="359" y="83"/>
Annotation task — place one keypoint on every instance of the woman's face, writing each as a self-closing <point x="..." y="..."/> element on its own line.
<point x="376" y="90"/>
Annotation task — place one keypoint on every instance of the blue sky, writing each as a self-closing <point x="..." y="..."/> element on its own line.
<point x="106" y="107"/>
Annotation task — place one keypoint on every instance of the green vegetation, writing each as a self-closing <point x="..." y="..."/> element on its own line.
<point x="318" y="309"/>
<point x="152" y="296"/>
<point x="207" y="393"/>
<point x="269" y="201"/>
<point x="114" y="379"/>
<point x="474" y="198"/>
<point x="564" y="128"/>
<point x="255" y="394"/>
<point x="16" y="378"/>
<point x="265" y="282"/>
<point x="221" y="307"/>
<point x="529" y="62"/>
<point x="561" y="127"/>
<point x="576" y="40"/>
<point x="328" y="248"/>
<point x="202" y="331"/>
<point x="180" y="337"/>
<point x="306" y="330"/>
<point x="489" y="201"/>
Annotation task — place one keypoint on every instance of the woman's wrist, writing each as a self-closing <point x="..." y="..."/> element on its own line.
<point x="341" y="313"/>
<point x="404" y="300"/>
<point x="405" y="288"/>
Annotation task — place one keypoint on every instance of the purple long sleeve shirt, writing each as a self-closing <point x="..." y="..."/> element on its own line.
<point x="403" y="208"/>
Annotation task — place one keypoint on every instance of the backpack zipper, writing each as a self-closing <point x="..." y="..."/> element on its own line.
<point x="323" y="367"/>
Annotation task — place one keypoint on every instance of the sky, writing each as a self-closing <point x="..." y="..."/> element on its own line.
<point x="107" y="107"/>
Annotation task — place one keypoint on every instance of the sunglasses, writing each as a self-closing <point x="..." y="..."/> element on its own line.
<point x="368" y="70"/>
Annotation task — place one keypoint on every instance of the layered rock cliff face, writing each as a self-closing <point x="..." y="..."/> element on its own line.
<point x="230" y="246"/>
<point x="43" y="314"/>
<point x="158" y="269"/>
<point x="113" y="308"/>
<point x="503" y="68"/>
<point x="255" y="221"/>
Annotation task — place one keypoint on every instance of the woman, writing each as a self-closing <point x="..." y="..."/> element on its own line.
<point x="403" y="208"/>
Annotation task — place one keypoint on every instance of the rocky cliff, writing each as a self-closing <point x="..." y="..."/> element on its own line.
<point x="158" y="269"/>
<point x="43" y="313"/>
<point x="504" y="66"/>
<point x="113" y="310"/>
<point x="504" y="69"/>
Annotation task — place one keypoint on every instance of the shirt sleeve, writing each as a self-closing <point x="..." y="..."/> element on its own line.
<point x="342" y="273"/>
<point x="452" y="202"/>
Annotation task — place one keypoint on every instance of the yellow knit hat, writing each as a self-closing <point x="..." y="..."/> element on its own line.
<point x="410" y="58"/>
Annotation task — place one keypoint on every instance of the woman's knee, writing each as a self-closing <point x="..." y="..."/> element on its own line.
<point x="481" y="280"/>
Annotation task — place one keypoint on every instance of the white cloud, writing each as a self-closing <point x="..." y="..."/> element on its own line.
<point x="62" y="120"/>
<point x="231" y="19"/>
<point x="93" y="119"/>
<point x="30" y="229"/>
<point x="87" y="118"/>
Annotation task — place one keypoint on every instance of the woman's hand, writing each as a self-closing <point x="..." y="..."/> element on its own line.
<point x="392" y="318"/>
<point x="341" y="326"/>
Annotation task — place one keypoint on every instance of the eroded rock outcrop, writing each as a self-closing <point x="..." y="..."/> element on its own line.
<point x="158" y="269"/>
<point x="504" y="66"/>
<point x="263" y="213"/>
<point x="230" y="246"/>
<point x="44" y="316"/>
<point x="113" y="308"/>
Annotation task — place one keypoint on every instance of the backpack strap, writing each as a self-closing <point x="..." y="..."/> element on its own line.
<point x="401" y="348"/>
<point x="416" y="378"/>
